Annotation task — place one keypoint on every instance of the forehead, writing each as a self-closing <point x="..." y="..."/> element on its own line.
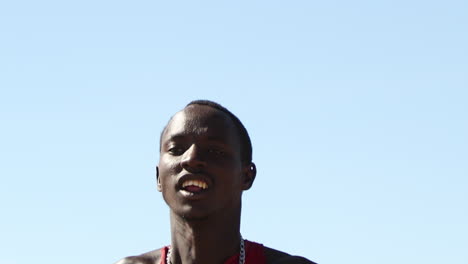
<point x="201" y="120"/>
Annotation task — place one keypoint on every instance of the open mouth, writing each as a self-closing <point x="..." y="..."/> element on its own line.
<point x="191" y="187"/>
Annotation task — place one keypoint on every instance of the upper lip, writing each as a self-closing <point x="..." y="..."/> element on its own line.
<point x="191" y="177"/>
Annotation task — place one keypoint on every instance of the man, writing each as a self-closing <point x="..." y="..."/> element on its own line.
<point x="205" y="164"/>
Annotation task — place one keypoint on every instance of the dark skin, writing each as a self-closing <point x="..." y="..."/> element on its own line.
<point x="200" y="143"/>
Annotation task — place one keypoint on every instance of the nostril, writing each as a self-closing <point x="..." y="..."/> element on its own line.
<point x="193" y="162"/>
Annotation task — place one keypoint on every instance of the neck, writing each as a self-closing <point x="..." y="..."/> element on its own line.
<point x="212" y="240"/>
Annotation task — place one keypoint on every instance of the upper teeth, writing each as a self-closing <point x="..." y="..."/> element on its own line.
<point x="197" y="183"/>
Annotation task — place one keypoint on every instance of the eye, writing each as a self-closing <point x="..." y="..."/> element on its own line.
<point x="176" y="150"/>
<point x="216" y="151"/>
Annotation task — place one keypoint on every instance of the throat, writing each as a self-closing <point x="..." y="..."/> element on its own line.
<point x="201" y="259"/>
<point x="212" y="239"/>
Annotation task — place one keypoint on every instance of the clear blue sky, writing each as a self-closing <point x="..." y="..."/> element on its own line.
<point x="357" y="112"/>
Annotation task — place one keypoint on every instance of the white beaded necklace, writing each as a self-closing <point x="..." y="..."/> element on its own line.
<point x="241" y="254"/>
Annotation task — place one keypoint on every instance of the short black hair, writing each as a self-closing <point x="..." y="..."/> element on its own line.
<point x="246" y="144"/>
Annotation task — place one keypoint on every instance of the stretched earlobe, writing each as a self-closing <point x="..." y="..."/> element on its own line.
<point x="158" y="181"/>
<point x="249" y="176"/>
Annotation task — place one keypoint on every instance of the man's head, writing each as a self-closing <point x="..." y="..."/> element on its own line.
<point x="205" y="161"/>
<point x="244" y="137"/>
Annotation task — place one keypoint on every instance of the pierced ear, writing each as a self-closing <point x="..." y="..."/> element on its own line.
<point x="249" y="176"/>
<point x="158" y="181"/>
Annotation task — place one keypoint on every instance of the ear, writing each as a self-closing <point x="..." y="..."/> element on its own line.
<point x="250" y="171"/>
<point x="158" y="181"/>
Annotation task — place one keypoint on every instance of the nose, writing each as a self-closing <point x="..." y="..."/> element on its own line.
<point x="192" y="160"/>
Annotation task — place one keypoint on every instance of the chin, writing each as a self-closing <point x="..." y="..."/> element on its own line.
<point x="189" y="212"/>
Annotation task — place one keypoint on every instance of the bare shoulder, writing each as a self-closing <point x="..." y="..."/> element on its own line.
<point x="274" y="256"/>
<point x="152" y="257"/>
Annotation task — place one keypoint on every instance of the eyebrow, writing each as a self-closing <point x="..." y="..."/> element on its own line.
<point x="177" y="136"/>
<point x="215" y="138"/>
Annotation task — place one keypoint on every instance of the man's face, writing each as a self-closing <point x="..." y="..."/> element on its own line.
<point x="200" y="168"/>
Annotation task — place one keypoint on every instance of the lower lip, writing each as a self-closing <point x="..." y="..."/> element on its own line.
<point x="193" y="195"/>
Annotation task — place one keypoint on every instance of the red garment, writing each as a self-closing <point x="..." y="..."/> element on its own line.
<point x="254" y="254"/>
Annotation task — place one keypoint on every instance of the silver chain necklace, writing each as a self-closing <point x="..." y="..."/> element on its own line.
<point x="241" y="254"/>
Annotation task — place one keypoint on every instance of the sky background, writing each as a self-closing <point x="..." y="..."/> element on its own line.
<point x="357" y="110"/>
